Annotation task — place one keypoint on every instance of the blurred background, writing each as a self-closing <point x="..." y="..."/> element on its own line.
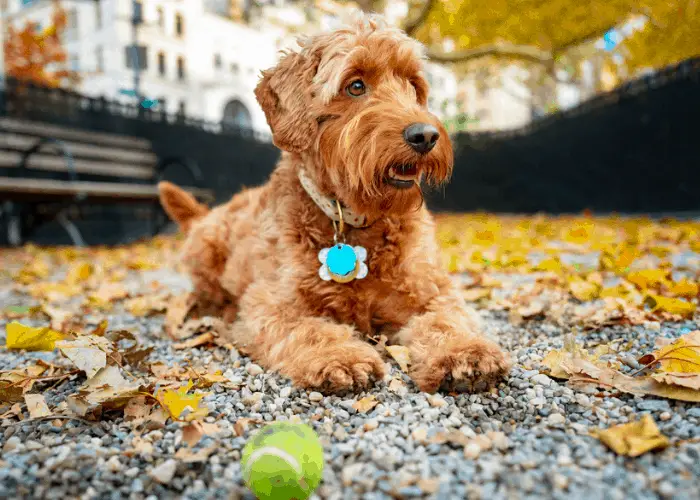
<point x="554" y="106"/>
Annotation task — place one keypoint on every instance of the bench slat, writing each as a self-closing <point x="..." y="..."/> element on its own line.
<point x="66" y="133"/>
<point x="10" y="159"/>
<point x="62" y="189"/>
<point x="25" y="142"/>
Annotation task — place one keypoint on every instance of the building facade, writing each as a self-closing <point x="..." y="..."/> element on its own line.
<point x="192" y="56"/>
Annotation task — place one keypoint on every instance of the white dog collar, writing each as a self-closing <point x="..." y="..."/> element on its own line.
<point x="327" y="205"/>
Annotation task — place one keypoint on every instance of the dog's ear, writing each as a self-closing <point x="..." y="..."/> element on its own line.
<point x="284" y="95"/>
<point x="180" y="205"/>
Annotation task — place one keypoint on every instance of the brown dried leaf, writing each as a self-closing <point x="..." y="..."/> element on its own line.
<point x="36" y="406"/>
<point x="189" y="457"/>
<point x="690" y="380"/>
<point x="476" y="294"/>
<point x="176" y="314"/>
<point x="401" y="355"/>
<point x="365" y="404"/>
<point x="242" y="424"/>
<point x="194" y="431"/>
<point x="199" y="340"/>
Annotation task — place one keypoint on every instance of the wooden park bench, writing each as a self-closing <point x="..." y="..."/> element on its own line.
<point x="48" y="172"/>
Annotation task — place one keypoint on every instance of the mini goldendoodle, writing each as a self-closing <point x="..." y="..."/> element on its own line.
<point x="338" y="246"/>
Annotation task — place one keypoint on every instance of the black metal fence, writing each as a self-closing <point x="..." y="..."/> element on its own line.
<point x="635" y="149"/>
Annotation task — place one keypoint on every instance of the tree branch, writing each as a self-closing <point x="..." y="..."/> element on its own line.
<point x="527" y="52"/>
<point x="411" y="25"/>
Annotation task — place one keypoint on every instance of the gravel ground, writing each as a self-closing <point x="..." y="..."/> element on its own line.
<point x="535" y="429"/>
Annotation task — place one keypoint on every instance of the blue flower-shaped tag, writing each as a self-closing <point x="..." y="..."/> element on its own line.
<point x="343" y="263"/>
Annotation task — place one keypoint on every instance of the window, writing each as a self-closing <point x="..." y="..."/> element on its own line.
<point x="137" y="13"/>
<point x="74" y="61"/>
<point x="98" y="15"/>
<point x="182" y="108"/>
<point x="162" y="104"/>
<point x="234" y="68"/>
<point x="180" y="68"/>
<point x="161" y="63"/>
<point x="100" y="59"/>
<point x="140" y="54"/>
<point x="71" y="32"/>
<point x="217" y="61"/>
<point x="179" y="28"/>
<point x="160" y="17"/>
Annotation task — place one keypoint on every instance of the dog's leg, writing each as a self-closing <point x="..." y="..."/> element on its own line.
<point x="313" y="352"/>
<point x="448" y="349"/>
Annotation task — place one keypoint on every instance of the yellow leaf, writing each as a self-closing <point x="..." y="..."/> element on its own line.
<point x="365" y="404"/>
<point x="20" y="336"/>
<point x="401" y="355"/>
<point x="553" y="360"/>
<point x="475" y="294"/>
<point x="672" y="306"/>
<point x="633" y="439"/>
<point x="79" y="274"/>
<point x="649" y="278"/>
<point x="176" y="401"/>
<point x="583" y="290"/>
<point x="551" y="264"/>
<point x="685" y="289"/>
<point x="36" y="406"/>
<point x="682" y="356"/>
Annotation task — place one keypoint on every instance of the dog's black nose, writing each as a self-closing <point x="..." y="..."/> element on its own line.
<point x="421" y="136"/>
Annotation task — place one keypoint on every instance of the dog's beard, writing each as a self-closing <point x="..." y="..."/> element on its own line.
<point x="362" y="160"/>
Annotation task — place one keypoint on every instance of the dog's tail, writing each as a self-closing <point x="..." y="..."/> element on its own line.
<point x="180" y="205"/>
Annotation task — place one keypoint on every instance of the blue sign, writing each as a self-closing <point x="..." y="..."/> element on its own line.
<point x="610" y="40"/>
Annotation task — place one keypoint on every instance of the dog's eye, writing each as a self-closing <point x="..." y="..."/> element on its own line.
<point x="356" y="88"/>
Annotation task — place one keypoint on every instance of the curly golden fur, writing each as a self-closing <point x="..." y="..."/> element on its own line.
<point x="255" y="258"/>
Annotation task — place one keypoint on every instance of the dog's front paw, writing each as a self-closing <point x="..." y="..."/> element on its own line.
<point x="349" y="365"/>
<point x="471" y="364"/>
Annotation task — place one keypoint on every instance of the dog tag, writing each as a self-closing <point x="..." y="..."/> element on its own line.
<point x="343" y="263"/>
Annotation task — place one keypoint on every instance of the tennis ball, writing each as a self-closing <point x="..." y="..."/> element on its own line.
<point x="283" y="461"/>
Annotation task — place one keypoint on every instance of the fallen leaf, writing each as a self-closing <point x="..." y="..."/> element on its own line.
<point x="59" y="317"/>
<point x="584" y="290"/>
<point x="401" y="355"/>
<point x="36" y="406"/>
<point x="535" y="308"/>
<point x="177" y="401"/>
<point x="194" y="431"/>
<point x="476" y="294"/>
<point x="137" y="409"/>
<point x="691" y="380"/>
<point x="672" y="306"/>
<point x="586" y="373"/>
<point x="177" y="312"/>
<point x="189" y="457"/>
<point x="649" y="278"/>
<point x="682" y="356"/>
<point x="14" y="411"/>
<point x="365" y="404"/>
<point x="147" y="305"/>
<point x="633" y="439"/>
<point x="31" y="339"/>
<point x="79" y="273"/>
<point x="685" y="289"/>
<point x="87" y="352"/>
<point x="242" y="424"/>
<point x="199" y="340"/>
